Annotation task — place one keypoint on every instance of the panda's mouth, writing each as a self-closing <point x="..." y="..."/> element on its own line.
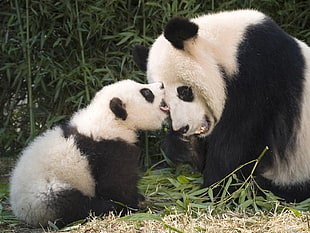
<point x="164" y="107"/>
<point x="204" y="128"/>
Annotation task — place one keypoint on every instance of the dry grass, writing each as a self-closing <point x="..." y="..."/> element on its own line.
<point x="168" y="211"/>
<point x="204" y="222"/>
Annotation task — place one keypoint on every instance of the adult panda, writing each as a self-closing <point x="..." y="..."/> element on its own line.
<point x="91" y="163"/>
<point x="235" y="83"/>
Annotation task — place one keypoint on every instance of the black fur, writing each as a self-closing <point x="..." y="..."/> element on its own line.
<point x="118" y="108"/>
<point x="140" y="54"/>
<point x="147" y="94"/>
<point x="179" y="29"/>
<point x="295" y="192"/>
<point x="72" y="205"/>
<point x="263" y="104"/>
<point x="114" y="164"/>
<point x="185" y="93"/>
<point x="188" y="150"/>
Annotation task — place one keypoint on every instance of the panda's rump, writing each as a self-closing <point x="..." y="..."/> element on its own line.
<point x="35" y="202"/>
<point x="49" y="170"/>
<point x="52" y="157"/>
<point x="51" y="201"/>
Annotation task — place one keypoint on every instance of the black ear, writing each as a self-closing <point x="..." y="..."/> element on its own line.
<point x="118" y="108"/>
<point x="179" y="29"/>
<point x="140" y="55"/>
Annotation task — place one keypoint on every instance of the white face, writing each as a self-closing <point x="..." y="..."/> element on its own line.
<point x="177" y="70"/>
<point x="189" y="112"/>
<point x="133" y="105"/>
<point x="144" y="104"/>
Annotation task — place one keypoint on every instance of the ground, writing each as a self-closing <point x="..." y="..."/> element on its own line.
<point x="229" y="222"/>
<point x="156" y="220"/>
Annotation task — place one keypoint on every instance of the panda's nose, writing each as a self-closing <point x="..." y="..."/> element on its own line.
<point x="183" y="129"/>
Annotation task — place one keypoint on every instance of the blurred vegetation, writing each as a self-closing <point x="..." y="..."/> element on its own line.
<point x="56" y="54"/>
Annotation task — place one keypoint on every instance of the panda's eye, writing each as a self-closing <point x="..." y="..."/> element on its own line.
<point x="147" y="94"/>
<point x="185" y="93"/>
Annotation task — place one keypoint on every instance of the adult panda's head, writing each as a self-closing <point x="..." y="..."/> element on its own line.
<point x="190" y="58"/>
<point x="119" y="110"/>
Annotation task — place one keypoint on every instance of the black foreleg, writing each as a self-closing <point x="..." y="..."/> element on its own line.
<point x="185" y="150"/>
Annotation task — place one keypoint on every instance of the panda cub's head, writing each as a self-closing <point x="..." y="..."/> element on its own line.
<point x="120" y="109"/>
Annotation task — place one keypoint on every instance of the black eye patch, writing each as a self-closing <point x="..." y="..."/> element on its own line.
<point x="185" y="93"/>
<point x="147" y="94"/>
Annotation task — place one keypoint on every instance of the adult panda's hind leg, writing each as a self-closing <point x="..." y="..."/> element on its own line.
<point x="290" y="193"/>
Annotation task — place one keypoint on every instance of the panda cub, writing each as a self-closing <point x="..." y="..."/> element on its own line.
<point x="91" y="163"/>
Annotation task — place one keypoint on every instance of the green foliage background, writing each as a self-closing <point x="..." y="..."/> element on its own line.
<point x="54" y="55"/>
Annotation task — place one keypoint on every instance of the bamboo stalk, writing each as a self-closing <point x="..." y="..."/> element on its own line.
<point x="29" y="76"/>
<point x="26" y="51"/>
<point x="82" y="52"/>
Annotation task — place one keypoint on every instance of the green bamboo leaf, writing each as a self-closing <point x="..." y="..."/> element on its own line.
<point x="52" y="225"/>
<point x="295" y="212"/>
<point x="141" y="217"/>
<point x="242" y="196"/>
<point x="199" y="206"/>
<point x="181" y="204"/>
<point x="200" y="192"/>
<point x="246" y="204"/>
<point x="200" y="229"/>
<point x="225" y="190"/>
<point x="183" y="179"/>
<point x="264" y="204"/>
<point x="173" y="228"/>
<point x="210" y="194"/>
<point x="174" y="182"/>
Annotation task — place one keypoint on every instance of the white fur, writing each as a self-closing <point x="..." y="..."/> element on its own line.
<point x="222" y="33"/>
<point x="53" y="163"/>
<point x="186" y="112"/>
<point x="197" y="66"/>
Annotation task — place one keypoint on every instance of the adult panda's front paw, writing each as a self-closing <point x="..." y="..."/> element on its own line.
<point x="177" y="148"/>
